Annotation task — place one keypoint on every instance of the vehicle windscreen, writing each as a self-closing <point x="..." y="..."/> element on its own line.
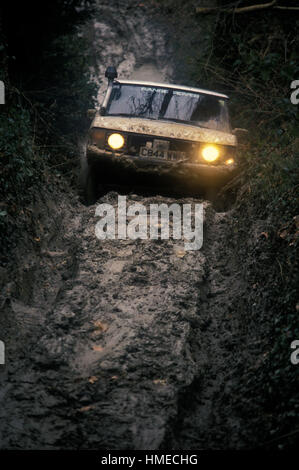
<point x="181" y="106"/>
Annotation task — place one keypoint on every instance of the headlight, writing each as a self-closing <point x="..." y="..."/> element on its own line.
<point x="210" y="153"/>
<point x="116" y="141"/>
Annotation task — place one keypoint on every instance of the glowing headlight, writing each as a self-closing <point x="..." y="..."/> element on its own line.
<point x="230" y="161"/>
<point x="210" y="153"/>
<point x="116" y="141"/>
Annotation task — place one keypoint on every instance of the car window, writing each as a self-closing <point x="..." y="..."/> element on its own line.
<point x="198" y="109"/>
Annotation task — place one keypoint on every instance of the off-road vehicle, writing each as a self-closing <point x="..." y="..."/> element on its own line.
<point x="165" y="134"/>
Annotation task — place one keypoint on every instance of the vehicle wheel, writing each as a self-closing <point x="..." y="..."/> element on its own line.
<point x="90" y="190"/>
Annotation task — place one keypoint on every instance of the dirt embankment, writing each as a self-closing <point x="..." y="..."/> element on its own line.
<point x="120" y="344"/>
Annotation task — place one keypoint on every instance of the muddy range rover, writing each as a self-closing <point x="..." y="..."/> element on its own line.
<point x="159" y="135"/>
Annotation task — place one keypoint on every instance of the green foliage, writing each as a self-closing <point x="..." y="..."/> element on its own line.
<point x="45" y="68"/>
<point x="62" y="99"/>
<point x="19" y="163"/>
<point x="21" y="166"/>
<point x="272" y="171"/>
<point x="44" y="56"/>
<point x="70" y="92"/>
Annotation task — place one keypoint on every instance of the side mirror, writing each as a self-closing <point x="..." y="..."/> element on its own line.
<point x="102" y="110"/>
<point x="91" y="113"/>
<point x="111" y="73"/>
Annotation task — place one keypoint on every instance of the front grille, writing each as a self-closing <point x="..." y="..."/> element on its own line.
<point x="134" y="143"/>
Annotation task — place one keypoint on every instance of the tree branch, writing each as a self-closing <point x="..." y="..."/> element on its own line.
<point x="262" y="6"/>
<point x="278" y="7"/>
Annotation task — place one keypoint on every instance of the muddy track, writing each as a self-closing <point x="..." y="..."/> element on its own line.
<point x="110" y="340"/>
<point x="119" y="344"/>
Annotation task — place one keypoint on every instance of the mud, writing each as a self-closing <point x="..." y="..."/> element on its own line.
<point x="119" y="344"/>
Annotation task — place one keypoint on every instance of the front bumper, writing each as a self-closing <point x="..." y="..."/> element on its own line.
<point x="193" y="173"/>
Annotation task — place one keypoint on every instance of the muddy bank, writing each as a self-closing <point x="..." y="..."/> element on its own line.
<point x="129" y="36"/>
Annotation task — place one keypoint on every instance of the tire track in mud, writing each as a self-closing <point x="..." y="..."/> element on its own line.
<point x="107" y="341"/>
<point x="207" y="417"/>
<point x="139" y="300"/>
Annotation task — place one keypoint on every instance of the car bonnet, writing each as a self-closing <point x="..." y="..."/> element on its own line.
<point x="159" y="128"/>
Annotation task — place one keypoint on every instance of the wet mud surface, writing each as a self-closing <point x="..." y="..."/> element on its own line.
<point x="108" y="338"/>
<point x="120" y="344"/>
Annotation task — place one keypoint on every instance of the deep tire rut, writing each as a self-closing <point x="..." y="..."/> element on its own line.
<point x="207" y="417"/>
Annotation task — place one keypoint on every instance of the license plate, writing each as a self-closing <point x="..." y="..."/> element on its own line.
<point x="161" y="154"/>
